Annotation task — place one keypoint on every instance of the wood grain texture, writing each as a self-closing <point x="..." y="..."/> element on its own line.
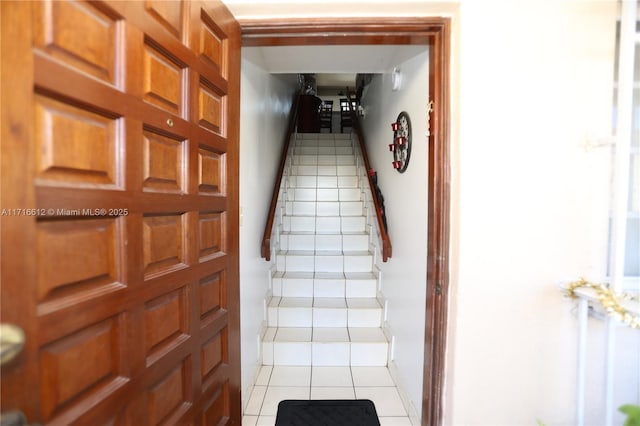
<point x="102" y="142"/>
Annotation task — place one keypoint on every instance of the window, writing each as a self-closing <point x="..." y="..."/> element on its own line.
<point x="624" y="238"/>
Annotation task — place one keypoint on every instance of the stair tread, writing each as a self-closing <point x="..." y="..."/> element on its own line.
<point x="325" y="275"/>
<point x="326" y="302"/>
<point x="350" y="233"/>
<point x="306" y="334"/>
<point x="324" y="253"/>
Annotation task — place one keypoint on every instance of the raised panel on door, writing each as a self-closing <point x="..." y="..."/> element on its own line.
<point x="124" y="273"/>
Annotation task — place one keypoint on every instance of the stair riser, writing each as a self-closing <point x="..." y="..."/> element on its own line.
<point x="325" y="354"/>
<point x="324" y="242"/>
<point x="322" y="150"/>
<point x="324" y="194"/>
<point x="324" y="317"/>
<point x="324" y="224"/>
<point x="314" y="182"/>
<point x="324" y="160"/>
<point x="324" y="208"/>
<point x="323" y="171"/>
<point x="291" y="287"/>
<point x="311" y="263"/>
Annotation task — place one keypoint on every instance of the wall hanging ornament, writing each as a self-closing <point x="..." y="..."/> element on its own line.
<point x="401" y="146"/>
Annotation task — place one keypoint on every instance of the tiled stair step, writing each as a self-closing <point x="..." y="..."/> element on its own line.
<point x="324" y="312"/>
<point x="311" y="140"/>
<point x="324" y="194"/>
<point x="324" y="224"/>
<point x="325" y="346"/>
<point x="324" y="261"/>
<point x="321" y="170"/>
<point x="322" y="150"/>
<point x="324" y="208"/>
<point x="323" y="160"/>
<point x="325" y="284"/>
<point x="312" y="181"/>
<point x="345" y="242"/>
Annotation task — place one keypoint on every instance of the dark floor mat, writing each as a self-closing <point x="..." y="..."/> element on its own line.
<point x="334" y="412"/>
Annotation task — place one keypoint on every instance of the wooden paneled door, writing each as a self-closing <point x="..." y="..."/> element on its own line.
<point x="120" y="211"/>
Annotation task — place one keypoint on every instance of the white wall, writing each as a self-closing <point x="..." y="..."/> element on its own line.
<point x="535" y="86"/>
<point x="265" y="101"/>
<point x="404" y="275"/>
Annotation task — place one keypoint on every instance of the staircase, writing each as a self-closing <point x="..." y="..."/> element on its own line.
<point x="324" y="308"/>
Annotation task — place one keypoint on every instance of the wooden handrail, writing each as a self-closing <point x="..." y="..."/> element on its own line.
<point x="386" y="241"/>
<point x="266" y="238"/>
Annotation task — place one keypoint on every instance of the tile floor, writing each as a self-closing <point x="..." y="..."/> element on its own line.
<point x="276" y="383"/>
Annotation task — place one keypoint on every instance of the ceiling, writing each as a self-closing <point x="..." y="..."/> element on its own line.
<point x="331" y="59"/>
<point x="338" y="81"/>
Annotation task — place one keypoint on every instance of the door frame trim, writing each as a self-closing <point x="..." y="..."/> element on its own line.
<point x="436" y="32"/>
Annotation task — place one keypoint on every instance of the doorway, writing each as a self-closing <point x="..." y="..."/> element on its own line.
<point x="434" y="32"/>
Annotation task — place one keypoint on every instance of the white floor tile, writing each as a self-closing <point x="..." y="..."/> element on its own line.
<point x="332" y="393"/>
<point x="255" y="401"/>
<point x="329" y="302"/>
<point x="369" y="334"/>
<point x="330" y="334"/>
<point x="386" y="399"/>
<point x="266" y="421"/>
<point x="394" y="421"/>
<point x="249" y="420"/>
<point x="371" y="376"/>
<point x="290" y="376"/>
<point x="331" y="376"/>
<point x="292" y="334"/>
<point x="267" y="352"/>
<point x="274" y="395"/>
<point x="264" y="375"/>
